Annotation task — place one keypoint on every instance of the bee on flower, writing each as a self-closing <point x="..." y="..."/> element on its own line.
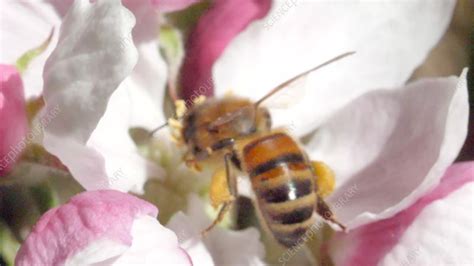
<point x="93" y="180"/>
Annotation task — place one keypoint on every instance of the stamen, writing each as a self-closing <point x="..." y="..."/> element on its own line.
<point x="199" y="100"/>
<point x="175" y="124"/>
<point x="175" y="130"/>
<point x="180" y="108"/>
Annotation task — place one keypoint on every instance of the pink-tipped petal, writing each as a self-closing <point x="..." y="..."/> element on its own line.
<point x="13" y="121"/>
<point x="102" y="227"/>
<point x="89" y="216"/>
<point x="389" y="147"/>
<point x="437" y="229"/>
<point x="214" y="31"/>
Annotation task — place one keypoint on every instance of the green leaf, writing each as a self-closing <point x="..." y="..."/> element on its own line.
<point x="8" y="244"/>
<point x="172" y="49"/>
<point x="23" y="62"/>
<point x="171" y="43"/>
<point x="187" y="18"/>
<point x="45" y="197"/>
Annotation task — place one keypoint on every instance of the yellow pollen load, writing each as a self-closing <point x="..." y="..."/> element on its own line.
<point x="325" y="178"/>
<point x="219" y="191"/>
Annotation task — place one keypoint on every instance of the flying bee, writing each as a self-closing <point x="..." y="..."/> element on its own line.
<point x="235" y="136"/>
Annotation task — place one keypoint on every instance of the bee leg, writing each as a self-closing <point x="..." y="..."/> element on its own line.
<point x="325" y="212"/>
<point x="224" y="209"/>
<point x="325" y="181"/>
<point x="325" y="178"/>
<point x="223" y="191"/>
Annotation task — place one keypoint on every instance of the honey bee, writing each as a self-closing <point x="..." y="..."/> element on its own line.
<point x="235" y="134"/>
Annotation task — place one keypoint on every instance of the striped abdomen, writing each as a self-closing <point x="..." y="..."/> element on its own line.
<point x="283" y="182"/>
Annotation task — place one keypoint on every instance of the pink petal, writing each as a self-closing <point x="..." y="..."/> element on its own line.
<point x="13" y="122"/>
<point x="368" y="245"/>
<point x="213" y="33"/>
<point x="63" y="231"/>
<point x="173" y="5"/>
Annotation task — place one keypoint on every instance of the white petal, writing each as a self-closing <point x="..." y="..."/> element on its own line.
<point x="95" y="53"/>
<point x="97" y="252"/>
<point x="391" y="146"/>
<point x="125" y="168"/>
<point x="26" y="25"/>
<point x="189" y="239"/>
<point x="391" y="39"/>
<point x="226" y="247"/>
<point x="153" y="244"/>
<point x="146" y="87"/>
<point x="442" y="234"/>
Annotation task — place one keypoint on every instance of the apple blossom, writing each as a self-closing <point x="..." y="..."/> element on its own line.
<point x="365" y="131"/>
<point x="390" y="140"/>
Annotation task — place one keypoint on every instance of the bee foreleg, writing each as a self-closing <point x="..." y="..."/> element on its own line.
<point x="325" y="178"/>
<point x="223" y="191"/>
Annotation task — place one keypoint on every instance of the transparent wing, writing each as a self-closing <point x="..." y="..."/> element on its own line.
<point x="247" y="111"/>
<point x="294" y="88"/>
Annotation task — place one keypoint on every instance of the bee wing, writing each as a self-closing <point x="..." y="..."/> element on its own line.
<point x="290" y="95"/>
<point x="229" y="117"/>
<point x="297" y="81"/>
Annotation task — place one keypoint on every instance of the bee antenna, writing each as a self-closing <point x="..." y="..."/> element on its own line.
<point x="288" y="82"/>
<point x="158" y="128"/>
